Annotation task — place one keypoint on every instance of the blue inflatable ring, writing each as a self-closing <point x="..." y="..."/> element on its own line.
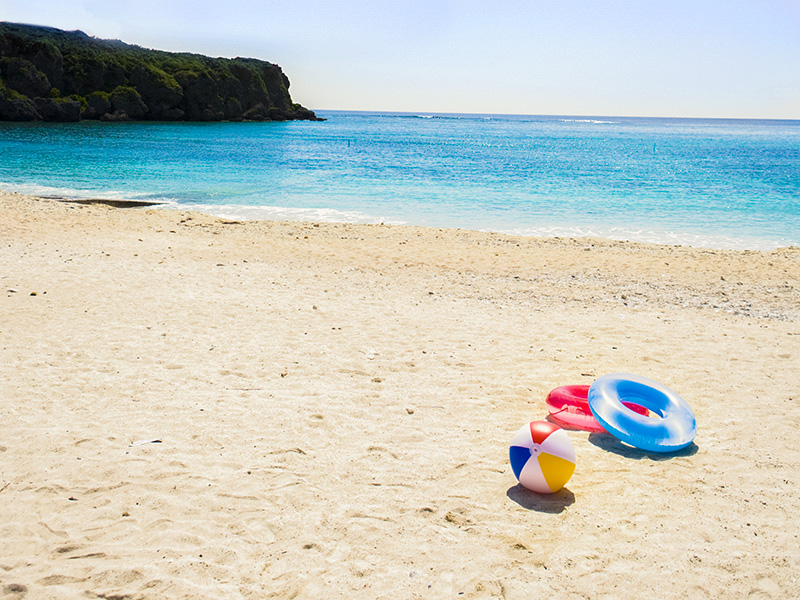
<point x="673" y="427"/>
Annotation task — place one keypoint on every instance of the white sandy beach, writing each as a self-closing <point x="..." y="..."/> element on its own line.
<point x="197" y="408"/>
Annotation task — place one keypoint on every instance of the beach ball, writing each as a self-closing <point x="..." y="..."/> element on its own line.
<point x="542" y="457"/>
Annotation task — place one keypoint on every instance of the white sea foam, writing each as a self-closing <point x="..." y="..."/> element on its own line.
<point x="671" y="238"/>
<point x="46" y="191"/>
<point x="329" y="215"/>
<point x="285" y="213"/>
<point x="593" y="121"/>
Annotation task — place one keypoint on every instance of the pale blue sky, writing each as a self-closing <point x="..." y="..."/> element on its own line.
<point x="682" y="58"/>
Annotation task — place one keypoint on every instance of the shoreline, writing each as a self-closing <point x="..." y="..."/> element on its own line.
<point x="266" y="213"/>
<point x="195" y="406"/>
<point x="610" y="233"/>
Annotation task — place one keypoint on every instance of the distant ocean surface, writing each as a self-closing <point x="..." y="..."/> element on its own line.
<point x="709" y="183"/>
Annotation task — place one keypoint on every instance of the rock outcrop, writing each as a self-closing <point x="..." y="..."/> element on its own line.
<point x="47" y="74"/>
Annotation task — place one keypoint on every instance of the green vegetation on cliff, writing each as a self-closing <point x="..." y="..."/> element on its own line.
<point x="54" y="75"/>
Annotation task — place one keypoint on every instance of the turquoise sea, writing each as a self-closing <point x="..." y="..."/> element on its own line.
<point x="712" y="183"/>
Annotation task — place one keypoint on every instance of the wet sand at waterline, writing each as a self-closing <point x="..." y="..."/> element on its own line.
<point x="200" y="408"/>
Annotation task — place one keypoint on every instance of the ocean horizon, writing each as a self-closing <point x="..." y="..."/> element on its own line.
<point x="717" y="183"/>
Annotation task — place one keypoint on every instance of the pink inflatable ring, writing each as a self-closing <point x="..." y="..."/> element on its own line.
<point x="569" y="406"/>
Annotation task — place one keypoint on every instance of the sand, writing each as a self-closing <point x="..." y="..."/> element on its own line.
<point x="199" y="408"/>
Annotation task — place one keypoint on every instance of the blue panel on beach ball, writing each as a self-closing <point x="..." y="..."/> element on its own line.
<point x="519" y="456"/>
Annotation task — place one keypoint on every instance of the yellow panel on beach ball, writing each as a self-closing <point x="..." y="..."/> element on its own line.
<point x="542" y="457"/>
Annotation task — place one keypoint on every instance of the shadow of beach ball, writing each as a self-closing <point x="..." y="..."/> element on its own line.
<point x="542" y="457"/>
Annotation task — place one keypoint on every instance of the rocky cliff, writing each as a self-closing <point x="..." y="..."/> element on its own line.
<point x="53" y="75"/>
